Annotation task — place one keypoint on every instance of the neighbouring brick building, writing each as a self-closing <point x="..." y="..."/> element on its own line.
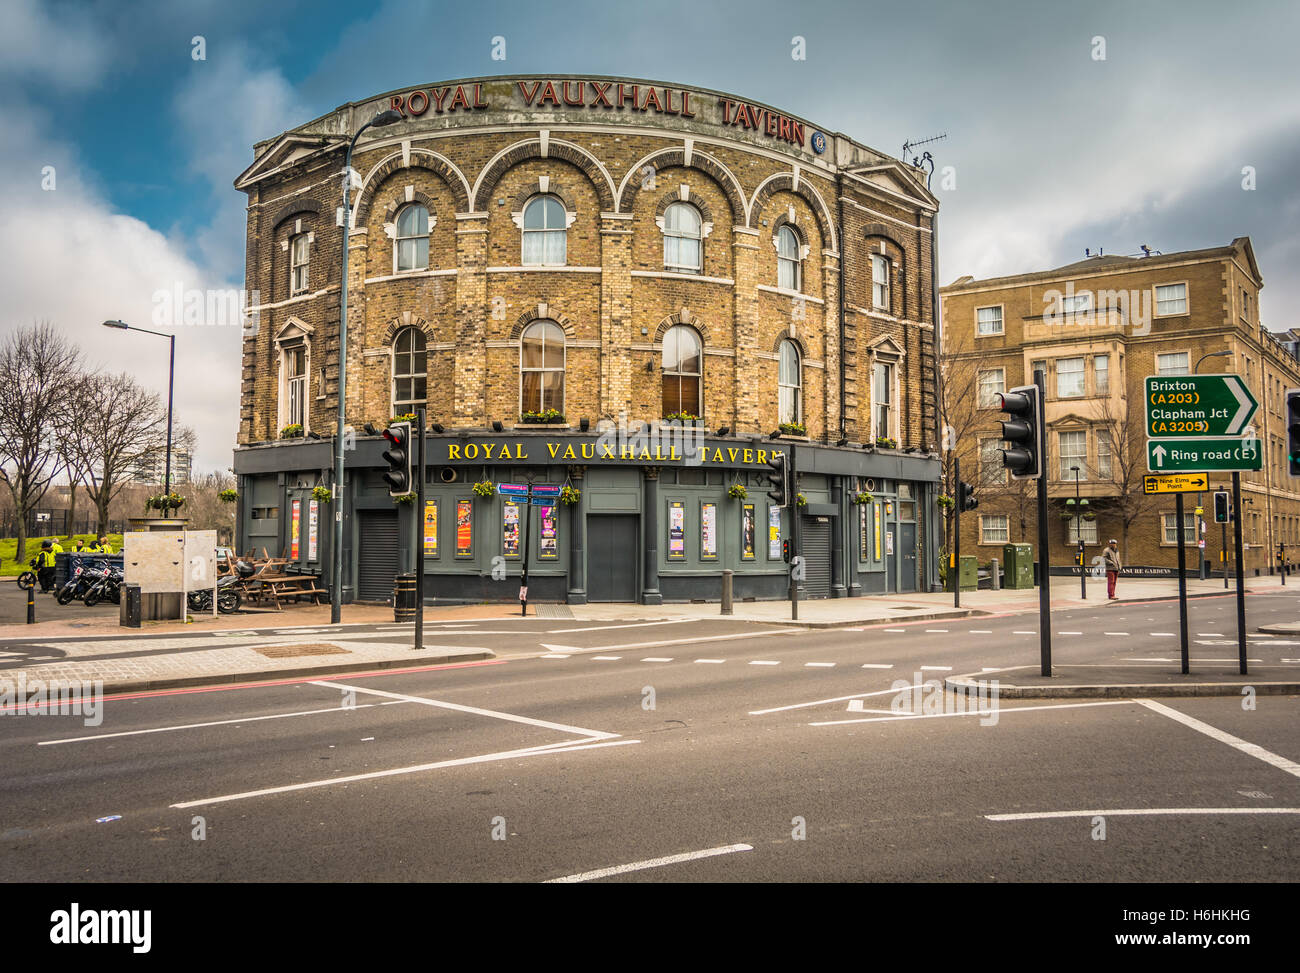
<point x="620" y="252"/>
<point x="1100" y="326"/>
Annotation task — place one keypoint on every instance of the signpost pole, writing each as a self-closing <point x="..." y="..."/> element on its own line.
<point x="954" y="563"/>
<point x="419" y="528"/>
<point x="523" y="577"/>
<point x="1223" y="553"/>
<point x="1182" y="581"/>
<point x="1044" y="542"/>
<point x="1241" y="571"/>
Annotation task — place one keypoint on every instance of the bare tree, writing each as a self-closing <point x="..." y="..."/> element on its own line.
<point x="1128" y="464"/>
<point x="121" y="426"/>
<point x="958" y="414"/>
<point x="38" y="368"/>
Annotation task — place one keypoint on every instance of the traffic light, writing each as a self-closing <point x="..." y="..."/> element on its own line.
<point x="398" y="458"/>
<point x="1023" y="429"/>
<point x="778" y="475"/>
<point x="785" y="551"/>
<point x="1222" y="507"/>
<point x="1293" y="432"/>
<point x="966" y="496"/>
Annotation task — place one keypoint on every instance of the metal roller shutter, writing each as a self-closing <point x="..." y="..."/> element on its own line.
<point x="376" y="554"/>
<point x="815" y="549"/>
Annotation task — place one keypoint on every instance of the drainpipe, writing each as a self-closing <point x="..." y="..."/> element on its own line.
<point x="839" y="201"/>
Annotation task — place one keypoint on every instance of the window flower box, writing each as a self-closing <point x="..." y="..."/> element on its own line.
<point x="292" y="431"/>
<point x="793" y="429"/>
<point x="886" y="442"/>
<point x="542" y="418"/>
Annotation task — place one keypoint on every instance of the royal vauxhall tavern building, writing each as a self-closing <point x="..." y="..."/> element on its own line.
<point x="636" y="290"/>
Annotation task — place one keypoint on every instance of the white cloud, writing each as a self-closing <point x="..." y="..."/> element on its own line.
<point x="51" y="44"/>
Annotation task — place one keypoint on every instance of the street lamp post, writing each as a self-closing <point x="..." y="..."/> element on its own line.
<point x="1078" y="535"/>
<point x="171" y="381"/>
<point x="1200" y="516"/>
<point x="336" y="587"/>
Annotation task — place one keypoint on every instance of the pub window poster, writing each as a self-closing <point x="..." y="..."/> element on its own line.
<point x="747" y="532"/>
<point x="510" y="529"/>
<point x="549" y="549"/>
<point x="464" y="528"/>
<point x="864" y="534"/>
<point x="709" y="531"/>
<point x="313" y="528"/>
<point x="295" y="521"/>
<point x="431" y="528"/>
<point x="774" y="533"/>
<point x="875" y="518"/>
<point x="677" y="530"/>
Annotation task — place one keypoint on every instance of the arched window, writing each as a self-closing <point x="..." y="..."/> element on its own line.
<point x="412" y="240"/>
<point x="682" y="371"/>
<point x="788" y="268"/>
<point x="545" y="232"/>
<point x="410" y="371"/>
<point x="541" y="367"/>
<point x="682" y="239"/>
<point x="790" y="383"/>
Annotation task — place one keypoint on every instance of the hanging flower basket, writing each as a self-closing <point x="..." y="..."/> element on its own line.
<point x="292" y="431"/>
<point x="1067" y="515"/>
<point x="886" y="442"/>
<point x="228" y="496"/>
<point x="484" y="488"/>
<point x="165" y="502"/>
<point x="543" y="418"/>
<point x="404" y="498"/>
<point x="569" y="496"/>
<point x="1088" y="515"/>
<point x="943" y="500"/>
<point x="800" y="501"/>
<point x="864" y="497"/>
<point x="737" y="491"/>
<point x="322" y="494"/>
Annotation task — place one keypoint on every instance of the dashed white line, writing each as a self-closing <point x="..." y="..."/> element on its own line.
<point x="1205" y="635"/>
<point x="1024" y="633"/>
<point x="877" y="665"/>
<point x="764" y="662"/>
<point x="554" y="655"/>
<point x="1163" y="635"/>
<point x="938" y="630"/>
<point x="606" y="658"/>
<point x="819" y="665"/>
<point x="1069" y="633"/>
<point x="1115" y="633"/>
<point x="711" y="661"/>
<point x="936" y="668"/>
<point x="902" y="630"/>
<point x="981" y="631"/>
<point x="656" y="659"/>
<point x="651" y="863"/>
<point x="1116" y="812"/>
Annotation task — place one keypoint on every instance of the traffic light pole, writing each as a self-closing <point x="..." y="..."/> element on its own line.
<point x="419" y="529"/>
<point x="1241" y="571"/>
<point x="955" y="560"/>
<point x="523" y="570"/>
<point x="1182" y="582"/>
<point x="1044" y="545"/>
<point x="795" y="563"/>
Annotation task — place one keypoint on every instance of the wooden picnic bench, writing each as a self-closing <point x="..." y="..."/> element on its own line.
<point x="275" y="587"/>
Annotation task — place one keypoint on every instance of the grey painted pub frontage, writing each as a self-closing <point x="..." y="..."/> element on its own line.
<point x="650" y="525"/>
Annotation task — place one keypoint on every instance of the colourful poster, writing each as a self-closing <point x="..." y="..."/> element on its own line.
<point x="774" y="532"/>
<point x="677" y="530"/>
<point x="709" y="531"/>
<point x="431" y="528"/>
<point x="549" y="549"/>
<point x="875" y="520"/>
<point x="747" y="532"/>
<point x="510" y="529"/>
<point x="295" y="518"/>
<point x="464" y="528"/>
<point x="864" y="534"/>
<point x="313" y="528"/>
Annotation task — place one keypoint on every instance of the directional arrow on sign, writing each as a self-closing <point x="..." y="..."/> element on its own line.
<point x="1159" y="456"/>
<point x="1197" y="406"/>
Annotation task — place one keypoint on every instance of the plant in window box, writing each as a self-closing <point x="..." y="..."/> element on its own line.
<point x="484" y="488"/>
<point x="862" y="496"/>
<point x="569" y="496"/>
<point x="292" y="431"/>
<point x="404" y="498"/>
<point x="322" y="494"/>
<point x="540" y="418"/>
<point x="685" y="418"/>
<point x="800" y="501"/>
<point x="737" y="491"/>
<point x="793" y="428"/>
<point x="228" y="496"/>
<point x="408" y="417"/>
<point x="886" y="442"/>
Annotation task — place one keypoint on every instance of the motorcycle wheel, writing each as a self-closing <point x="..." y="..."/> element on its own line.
<point x="92" y="597"/>
<point x="65" y="595"/>
<point x="228" y="602"/>
<point x="27" y="579"/>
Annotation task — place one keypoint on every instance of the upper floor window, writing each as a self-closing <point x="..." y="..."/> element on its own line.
<point x="1104" y="454"/>
<point x="991" y="381"/>
<point x="412" y="238"/>
<point x="992" y="471"/>
<point x="298" y="262"/>
<point x="880" y="281"/>
<point x="541" y="367"/>
<point x="1069" y="378"/>
<point x="1072" y="304"/>
<point x="683" y="370"/>
<point x="994" y="529"/>
<point x="410" y="371"/>
<point x="1173" y="363"/>
<point x="882" y="399"/>
<point x="1074" y="452"/>
<point x="789" y="383"/>
<point x="545" y="235"/>
<point x="1171" y="299"/>
<point x="293" y="366"/>
<point x="988" y="320"/>
<point x="788" y="269"/>
<point x="1101" y="371"/>
<point x="682" y="236"/>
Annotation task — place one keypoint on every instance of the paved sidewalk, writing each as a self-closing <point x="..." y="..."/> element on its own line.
<point x="1128" y="681"/>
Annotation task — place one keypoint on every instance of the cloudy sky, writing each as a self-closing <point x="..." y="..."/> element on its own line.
<point x="1053" y="149"/>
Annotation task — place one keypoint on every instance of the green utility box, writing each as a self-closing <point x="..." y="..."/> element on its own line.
<point x="1018" y="565"/>
<point x="968" y="572"/>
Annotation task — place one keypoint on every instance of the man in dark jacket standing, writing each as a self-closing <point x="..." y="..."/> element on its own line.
<point x="1113" y="567"/>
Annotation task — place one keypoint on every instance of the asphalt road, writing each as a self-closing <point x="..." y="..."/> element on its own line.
<point x="757" y="753"/>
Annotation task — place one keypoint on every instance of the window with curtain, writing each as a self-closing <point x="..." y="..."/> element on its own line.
<point x="410" y="371"/>
<point x="545" y="234"/>
<point x="880" y="281"/>
<point x="992" y="472"/>
<point x="989" y="320"/>
<point x="412" y="240"/>
<point x="1101" y="370"/>
<point x="299" y="259"/>
<point x="683" y="371"/>
<point x="787" y="260"/>
<point x="1170" y="524"/>
<point x="1074" y="452"/>
<point x="882" y="398"/>
<point x="541" y="367"/>
<point x="1069" y="378"/>
<point x="1078" y="527"/>
<point x="294" y="364"/>
<point x="991" y="381"/>
<point x="789" y="383"/>
<point x="994" y="530"/>
<point x="1171" y="299"/>
<point x="1174" y="363"/>
<point x="1103" y="454"/>
<point x="682" y="235"/>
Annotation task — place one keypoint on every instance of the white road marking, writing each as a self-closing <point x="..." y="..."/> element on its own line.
<point x="981" y="631"/>
<point x="601" y="628"/>
<point x="1118" y="812"/>
<point x="1206" y="635"/>
<point x="820" y="702"/>
<point x="712" y="662"/>
<point x="1115" y="633"/>
<point x="943" y="630"/>
<point x="857" y="706"/>
<point x="936" y="668"/>
<point x="819" y="665"/>
<point x="1069" y="633"/>
<point x="477" y="711"/>
<point x="606" y="658"/>
<point x="554" y="655"/>
<point x="877" y="665"/>
<point x="656" y="644"/>
<point x="1190" y="660"/>
<point x="764" y="662"/>
<point x="1254" y="750"/>
<point x="903" y="630"/>
<point x="1165" y="635"/>
<point x="1002" y="711"/>
<point x="1025" y="633"/>
<point x="656" y="659"/>
<point x="542" y="751"/>
<point x="651" y="863"/>
<point x="198" y="726"/>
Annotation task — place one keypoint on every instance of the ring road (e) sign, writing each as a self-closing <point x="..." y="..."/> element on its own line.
<point x="1195" y="422"/>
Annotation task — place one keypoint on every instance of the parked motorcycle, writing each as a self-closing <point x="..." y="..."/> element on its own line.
<point x="107" y="584"/>
<point x="228" y="592"/>
<point x="83" y="576"/>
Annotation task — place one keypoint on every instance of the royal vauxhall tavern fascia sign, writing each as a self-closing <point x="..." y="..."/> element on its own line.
<point x="608" y="98"/>
<point x="670" y="450"/>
